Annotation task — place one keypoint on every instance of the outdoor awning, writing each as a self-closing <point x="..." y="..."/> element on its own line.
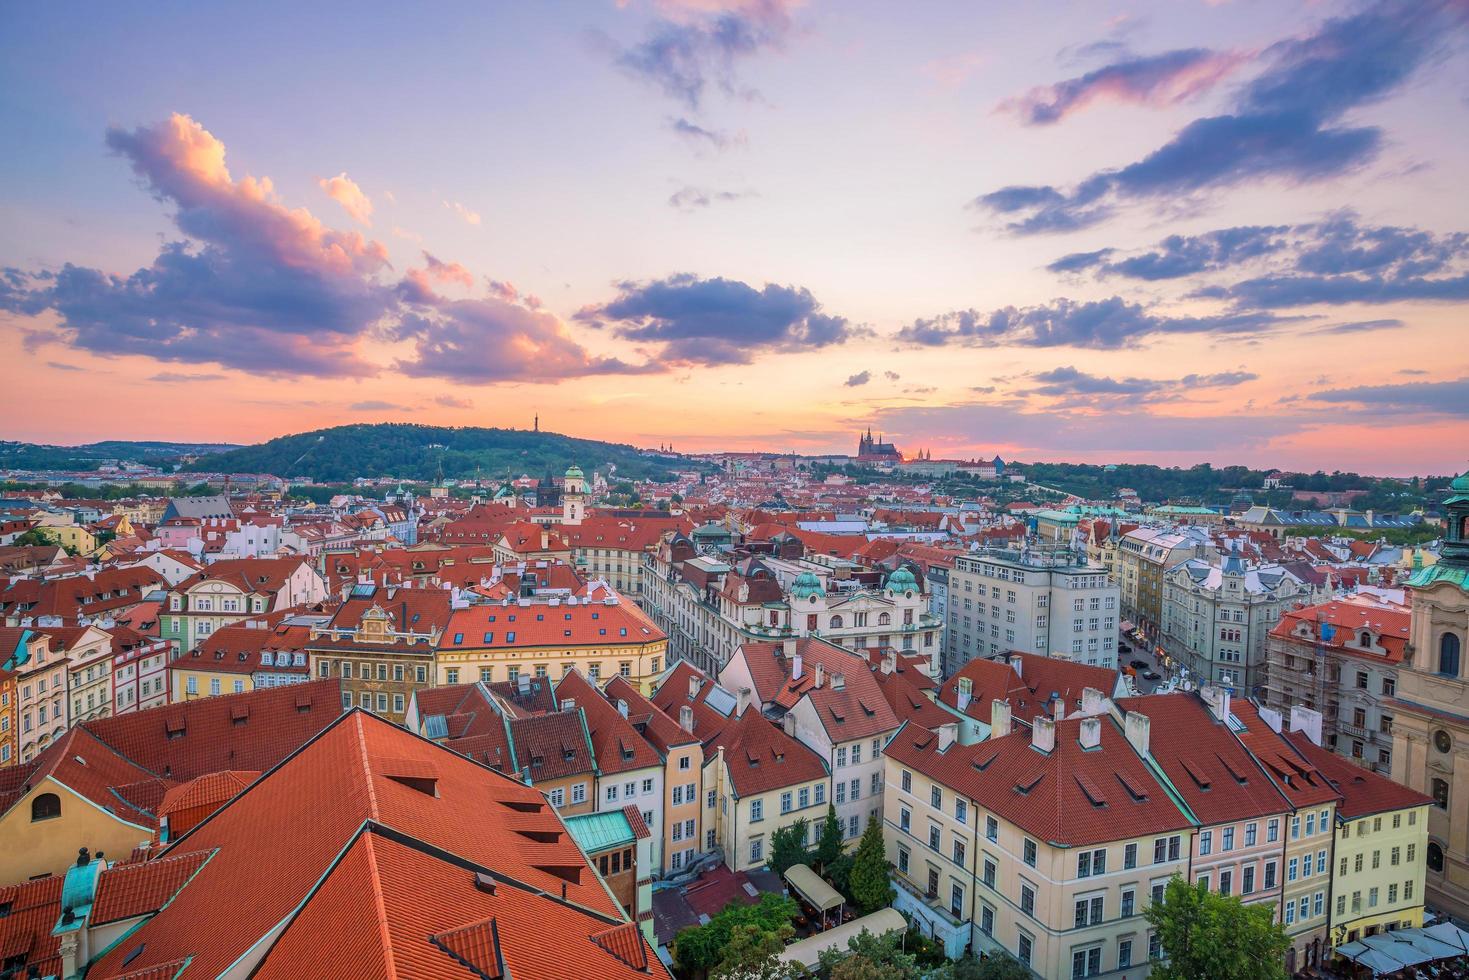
<point x="808" y="951"/>
<point x="1402" y="949"/>
<point x="1127" y="626"/>
<point x="1361" y="953"/>
<point x="817" y="893"/>
<point x="1436" y="949"/>
<point x="1447" y="932"/>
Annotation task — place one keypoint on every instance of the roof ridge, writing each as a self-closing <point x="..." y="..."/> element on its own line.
<point x="378" y="902"/>
<point x="372" y="810"/>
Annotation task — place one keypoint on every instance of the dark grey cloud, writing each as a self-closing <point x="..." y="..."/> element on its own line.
<point x="1436" y="397"/>
<point x="685" y="58"/>
<point x="718" y="321"/>
<point x="690" y="198"/>
<point x="1286" y="124"/>
<point x="859" y="379"/>
<point x="1101" y="324"/>
<point x="1075" y="387"/>
<point x="1160" y="79"/>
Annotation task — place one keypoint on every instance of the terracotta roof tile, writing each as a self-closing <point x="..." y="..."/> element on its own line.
<point x="128" y="890"/>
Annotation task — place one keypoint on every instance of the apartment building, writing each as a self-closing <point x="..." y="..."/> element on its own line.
<point x="837" y="710"/>
<point x="1144" y="555"/>
<point x="1216" y="617"/>
<point x="381" y="643"/>
<point x="1341" y="658"/>
<point x="1048" y="844"/>
<point x="233" y="589"/>
<point x="1379" y="851"/>
<point x="1032" y="600"/>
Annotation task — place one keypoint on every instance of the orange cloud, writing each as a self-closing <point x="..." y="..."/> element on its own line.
<point x="344" y="191"/>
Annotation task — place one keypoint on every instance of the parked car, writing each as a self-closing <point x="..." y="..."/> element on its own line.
<point x="1151" y="675"/>
<point x="1124" y="648"/>
<point x="1139" y="664"/>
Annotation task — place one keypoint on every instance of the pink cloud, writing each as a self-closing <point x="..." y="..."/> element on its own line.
<point x="344" y="191"/>
<point x="1156" y="80"/>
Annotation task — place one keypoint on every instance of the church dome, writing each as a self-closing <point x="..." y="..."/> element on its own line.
<point x="902" y="581"/>
<point x="806" y="585"/>
<point x="573" y="472"/>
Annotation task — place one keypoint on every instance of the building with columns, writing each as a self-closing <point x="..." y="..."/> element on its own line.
<point x="1431" y="710"/>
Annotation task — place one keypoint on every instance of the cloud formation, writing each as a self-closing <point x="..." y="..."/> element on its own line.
<point x="1180" y="255"/>
<point x="718" y="321"/>
<point x="690" y="198"/>
<point x="468" y="216"/>
<point x="344" y="191"/>
<point x="1437" y="397"/>
<point x="1101" y="324"/>
<point x="697" y="46"/>
<point x="701" y="137"/>
<point x="1075" y="387"/>
<point x="262" y="288"/>
<point x="1152" y="80"/>
<point x="859" y="379"/>
<point x="1287" y="124"/>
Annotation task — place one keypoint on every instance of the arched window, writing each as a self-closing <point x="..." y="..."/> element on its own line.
<point x="1365" y="639"/>
<point x="47" y="806"/>
<point x="1448" y="655"/>
<point x="884" y="619"/>
<point x="836" y="622"/>
<point x="1441" y="793"/>
<point x="1435" y="857"/>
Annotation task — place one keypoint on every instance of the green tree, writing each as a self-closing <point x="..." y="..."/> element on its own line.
<point x="1204" y="934"/>
<point x="829" y="844"/>
<point x="700" y="949"/>
<point x="32" y="538"/>
<point x="871" y="887"/>
<point x="788" y="847"/>
<point x="870" y="957"/>
<point x="751" y="954"/>
<point x="997" y="965"/>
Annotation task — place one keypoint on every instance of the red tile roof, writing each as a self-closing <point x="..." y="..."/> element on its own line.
<point x="1363" y="792"/>
<point x="89" y="767"/>
<point x="761" y="757"/>
<point x="1070" y="796"/>
<point x="661" y="731"/>
<point x="25" y="934"/>
<point x="264" y="575"/>
<point x="540" y="624"/>
<point x="617" y="744"/>
<point x="128" y="890"/>
<point x="108" y="590"/>
<point x="673" y="694"/>
<point x="854" y="710"/>
<point x="1296" y="777"/>
<point x="1213" y="772"/>
<point x="429" y="842"/>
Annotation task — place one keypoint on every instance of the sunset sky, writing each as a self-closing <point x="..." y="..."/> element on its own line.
<point x="1233" y="231"/>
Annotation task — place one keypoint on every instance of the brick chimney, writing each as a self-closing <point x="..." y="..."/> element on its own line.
<point x="797" y="666"/>
<point x="1093" y="701"/>
<point x="1043" y="734"/>
<point x="1307" y="720"/>
<point x="686" y="718"/>
<point x="947" y="735"/>
<point x="820" y="675"/>
<point x="694" y="684"/>
<point x="1001" y="720"/>
<point x="742" y="701"/>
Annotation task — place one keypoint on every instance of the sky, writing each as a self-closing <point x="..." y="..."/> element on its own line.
<point x="1227" y="231"/>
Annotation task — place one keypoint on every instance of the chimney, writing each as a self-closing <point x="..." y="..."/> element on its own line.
<point x="1271" y="717"/>
<point x="1217" y="698"/>
<point x="1307" y="720"/>
<point x="622" y="707"/>
<point x="890" y="662"/>
<point x="1138" y="727"/>
<point x="1093" y="701"/>
<point x="1091" y="733"/>
<point x="1043" y="734"/>
<point x="1058" y="706"/>
<point x="742" y="702"/>
<point x="686" y="718"/>
<point x="693" y="686"/>
<point x="838" y="682"/>
<point x="1000" y="718"/>
<point x="1016" y="664"/>
<point x="820" y="675"/>
<point x="947" y="734"/>
<point x="545" y="540"/>
<point x="796" y="667"/>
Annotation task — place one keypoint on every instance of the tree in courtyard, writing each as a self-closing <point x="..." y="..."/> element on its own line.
<point x="751" y="954"/>
<point x="870" y="957"/>
<point x="871" y="888"/>
<point x="699" y="949"/>
<point x="1204" y="934"/>
<point x="829" y="844"/>
<point x="788" y="847"/>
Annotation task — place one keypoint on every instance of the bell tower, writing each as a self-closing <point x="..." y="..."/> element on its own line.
<point x="573" y="496"/>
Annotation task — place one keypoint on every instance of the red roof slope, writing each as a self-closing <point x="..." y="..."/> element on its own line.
<point x="1295" y="776"/>
<point x="617" y="744"/>
<point x="1363" y="792"/>
<point x="761" y="757"/>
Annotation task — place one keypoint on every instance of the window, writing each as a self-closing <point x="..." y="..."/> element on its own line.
<point x="905" y="818"/>
<point x="557" y="796"/>
<point x="1023" y="949"/>
<point x="907" y="781"/>
<point x="1441" y="793"/>
<point x="1124" y="953"/>
<point x="1206" y="842"/>
<point x="991" y="828"/>
<point x="1435" y="857"/>
<point x="1030" y="852"/>
<point x="1129" y="856"/>
<point x="933" y="838"/>
<point x="1269" y="874"/>
<point x="990" y="871"/>
<point x="1226" y="882"/>
<point x="1247" y="880"/>
<point x="903" y="859"/>
<point x="1129" y="898"/>
<point x="47" y="806"/>
<point x="956" y="900"/>
<point x="757" y="850"/>
<point x="987" y="920"/>
<point x="757" y="810"/>
<point x="936" y="798"/>
<point x="1229" y="838"/>
<point x="1027" y="899"/>
<point x="1448" y="655"/>
<point x="785" y="802"/>
<point x="959" y="853"/>
<point x="1272" y="831"/>
<point x="579" y="793"/>
<point x="1086" y="962"/>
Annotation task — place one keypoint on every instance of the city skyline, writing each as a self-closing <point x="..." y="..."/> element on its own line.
<point x="1162" y="233"/>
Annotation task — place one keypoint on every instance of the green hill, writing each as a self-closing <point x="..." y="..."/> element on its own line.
<point x="416" y="452"/>
<point x="37" y="456"/>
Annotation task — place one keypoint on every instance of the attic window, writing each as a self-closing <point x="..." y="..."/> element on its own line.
<point x="175" y="727"/>
<point x="1092" y="791"/>
<point x="239" y="714"/>
<point x="1135" y="791"/>
<point x="303" y="702"/>
<point x="1029" y="784"/>
<point x="983" y="764"/>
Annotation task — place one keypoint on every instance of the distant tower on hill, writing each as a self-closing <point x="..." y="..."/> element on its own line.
<point x="537" y="426"/>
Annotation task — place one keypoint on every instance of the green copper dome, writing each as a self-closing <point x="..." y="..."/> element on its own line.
<point x="902" y="581"/>
<point x="573" y="472"/>
<point x="806" y="585"/>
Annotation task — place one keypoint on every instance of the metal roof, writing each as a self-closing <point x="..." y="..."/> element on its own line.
<point x="596" y="832"/>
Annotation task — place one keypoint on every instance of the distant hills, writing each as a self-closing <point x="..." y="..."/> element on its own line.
<point x="416" y="452"/>
<point x="39" y="456"/>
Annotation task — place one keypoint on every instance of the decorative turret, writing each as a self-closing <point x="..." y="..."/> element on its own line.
<point x="1453" y="557"/>
<point x="573" y="496"/>
<point x="807" y="586"/>
<point x="901" y="580"/>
